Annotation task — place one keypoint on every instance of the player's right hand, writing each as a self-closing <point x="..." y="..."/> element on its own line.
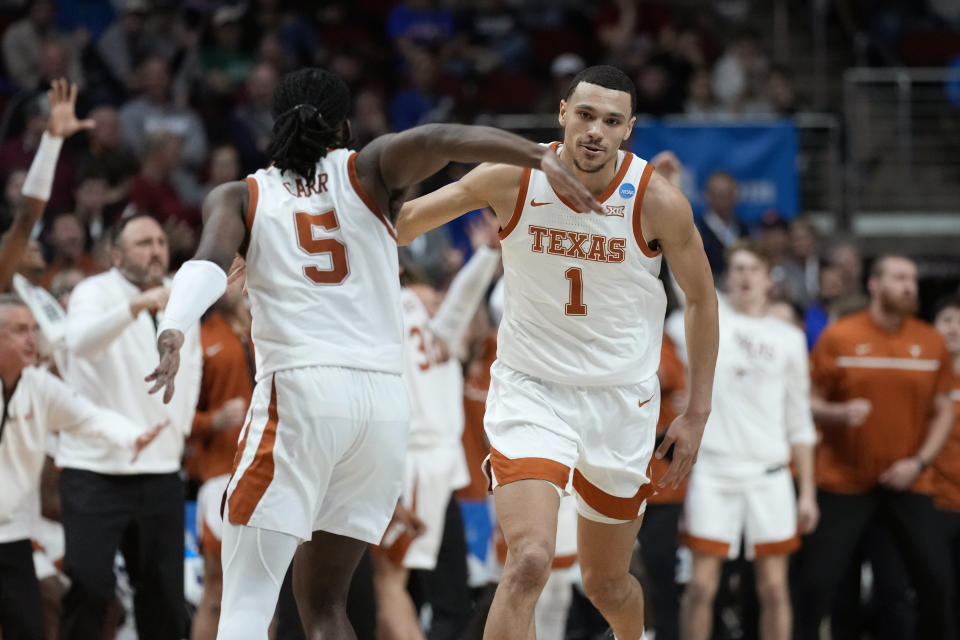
<point x="63" y="118"/>
<point x="168" y="345"/>
<point x="684" y="435"/>
<point x="566" y="185"/>
<point x="856" y="411"/>
<point x="412" y="524"/>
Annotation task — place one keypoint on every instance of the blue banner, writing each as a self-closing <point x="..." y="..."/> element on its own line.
<point x="762" y="157"/>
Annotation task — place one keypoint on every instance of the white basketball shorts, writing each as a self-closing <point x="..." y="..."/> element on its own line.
<point x="593" y="442"/>
<point x="322" y="450"/>
<point x="760" y="509"/>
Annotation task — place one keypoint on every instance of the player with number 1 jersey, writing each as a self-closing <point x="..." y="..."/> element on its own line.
<point x="574" y="397"/>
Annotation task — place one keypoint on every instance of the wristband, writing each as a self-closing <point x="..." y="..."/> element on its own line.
<point x="197" y="285"/>
<point x="39" y="181"/>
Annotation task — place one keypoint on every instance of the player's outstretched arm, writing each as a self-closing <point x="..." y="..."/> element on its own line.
<point x="62" y="124"/>
<point x="666" y="216"/>
<point x="202" y="280"/>
<point x="393" y="162"/>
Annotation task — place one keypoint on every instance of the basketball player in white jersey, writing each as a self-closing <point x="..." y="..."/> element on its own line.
<point x="741" y="487"/>
<point x="574" y="397"/>
<point x="321" y="456"/>
<point x="435" y="328"/>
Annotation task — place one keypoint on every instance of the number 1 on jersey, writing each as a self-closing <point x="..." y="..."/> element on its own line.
<point x="575" y="307"/>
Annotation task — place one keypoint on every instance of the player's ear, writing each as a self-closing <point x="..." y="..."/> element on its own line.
<point x="346" y="133"/>
<point x="563" y="113"/>
<point x="630" y="126"/>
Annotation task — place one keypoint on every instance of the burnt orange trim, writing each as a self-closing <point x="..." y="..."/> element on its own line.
<point x="706" y="545"/>
<point x="638" y="208"/>
<point x="610" y="505"/>
<point x="36" y="546"/>
<point x="509" y="470"/>
<point x="782" y="548"/>
<point x="258" y="476"/>
<point x="254" y="189"/>
<point x="367" y="200"/>
<point x="617" y="179"/>
<point x="518" y="207"/>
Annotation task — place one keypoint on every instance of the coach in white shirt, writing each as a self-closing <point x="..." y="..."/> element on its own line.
<point x="109" y="502"/>
<point x="33" y="403"/>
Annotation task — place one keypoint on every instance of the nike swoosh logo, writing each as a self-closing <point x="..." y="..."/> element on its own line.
<point x="643" y="402"/>
<point x="534" y="203"/>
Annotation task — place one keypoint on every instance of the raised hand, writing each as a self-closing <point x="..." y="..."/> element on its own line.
<point x="63" y="102"/>
<point x="168" y="345"/>
<point x="566" y="185"/>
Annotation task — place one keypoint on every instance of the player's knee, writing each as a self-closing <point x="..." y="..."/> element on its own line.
<point x="606" y="592"/>
<point x="528" y="564"/>
<point x="700" y="593"/>
<point x="773" y="595"/>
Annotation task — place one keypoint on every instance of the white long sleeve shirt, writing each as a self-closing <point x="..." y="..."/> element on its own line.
<point x="111" y="353"/>
<point x="42" y="403"/>
<point x="761" y="396"/>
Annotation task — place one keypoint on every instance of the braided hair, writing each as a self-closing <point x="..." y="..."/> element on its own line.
<point x="309" y="108"/>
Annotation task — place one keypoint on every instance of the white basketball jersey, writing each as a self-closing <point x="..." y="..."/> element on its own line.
<point x="434" y="380"/>
<point x="582" y="301"/>
<point x="761" y="396"/>
<point x="322" y="271"/>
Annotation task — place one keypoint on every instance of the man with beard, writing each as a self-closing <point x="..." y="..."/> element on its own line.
<point x="880" y="383"/>
<point x="110" y="502"/>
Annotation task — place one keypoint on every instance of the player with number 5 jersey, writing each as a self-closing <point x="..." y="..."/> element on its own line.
<point x="320" y="459"/>
<point x="574" y="397"/>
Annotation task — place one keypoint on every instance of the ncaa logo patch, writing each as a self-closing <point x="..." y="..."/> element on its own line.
<point x="627" y="190"/>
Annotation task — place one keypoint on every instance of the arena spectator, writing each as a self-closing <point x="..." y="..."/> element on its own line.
<point x="35" y="403"/>
<point x="422" y="101"/>
<point x="369" y="118"/>
<point x="844" y="254"/>
<point x="700" y="102"/>
<point x="23" y="46"/>
<point x="105" y="151"/>
<point x="66" y="240"/>
<point x="90" y="203"/>
<point x="153" y="113"/>
<point x="111" y="331"/>
<point x="800" y="266"/>
<point x="880" y="395"/>
<point x="739" y="74"/>
<point x="821" y="312"/>
<point x="253" y="120"/>
<point x="123" y="43"/>
<point x="719" y="227"/>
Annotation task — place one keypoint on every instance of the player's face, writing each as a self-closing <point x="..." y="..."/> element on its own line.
<point x="896" y="286"/>
<point x="595" y="121"/>
<point x="143" y="255"/>
<point x="947" y="323"/>
<point x="18" y="337"/>
<point x="748" y="278"/>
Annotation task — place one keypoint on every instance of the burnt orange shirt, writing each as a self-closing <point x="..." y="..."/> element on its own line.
<point x="475" y="446"/>
<point x="900" y="374"/>
<point x="227" y="373"/>
<point x="946" y="470"/>
<point x="671" y="376"/>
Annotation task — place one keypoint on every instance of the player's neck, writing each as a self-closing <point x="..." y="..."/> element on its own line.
<point x="752" y="308"/>
<point x="596" y="181"/>
<point x="887" y="320"/>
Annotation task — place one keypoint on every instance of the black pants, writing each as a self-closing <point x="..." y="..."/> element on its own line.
<point x="142" y="516"/>
<point x="446" y="588"/>
<point x="658" y="548"/>
<point x="827" y="553"/>
<point x="21" y="608"/>
<point x="361" y="605"/>
<point x="949" y="527"/>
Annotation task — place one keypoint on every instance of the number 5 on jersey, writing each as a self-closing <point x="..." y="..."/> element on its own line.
<point x="339" y="269"/>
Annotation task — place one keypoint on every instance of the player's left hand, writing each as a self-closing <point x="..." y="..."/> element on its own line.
<point x="168" y="345"/>
<point x="684" y="434"/>
<point x="412" y="524"/>
<point x="902" y="474"/>
<point x="566" y="185"/>
<point x="483" y="231"/>
<point x="808" y="514"/>
<point x="145" y="439"/>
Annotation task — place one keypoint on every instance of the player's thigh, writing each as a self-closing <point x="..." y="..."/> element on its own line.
<point x="771" y="515"/>
<point x="367" y="479"/>
<point x="617" y="430"/>
<point x="713" y="516"/>
<point x="323" y="568"/>
<point x="605" y="550"/>
<point x="771" y="572"/>
<point x="527" y="513"/>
